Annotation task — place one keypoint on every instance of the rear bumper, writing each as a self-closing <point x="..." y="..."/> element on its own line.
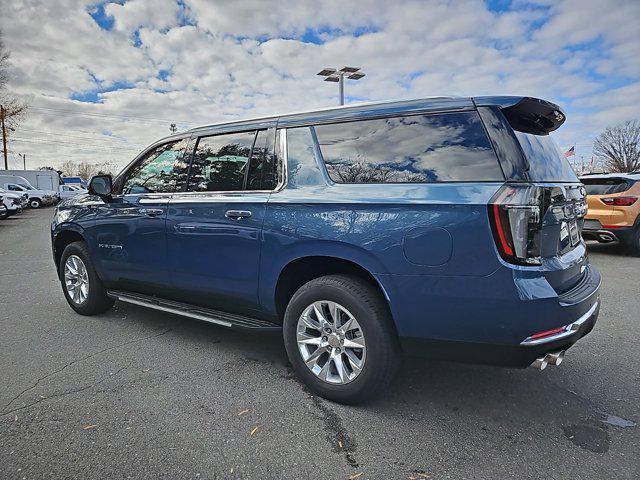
<point x="521" y="355"/>
<point x="608" y="234"/>
<point x="492" y="319"/>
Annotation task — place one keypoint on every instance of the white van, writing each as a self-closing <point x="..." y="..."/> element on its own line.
<point x="20" y="185"/>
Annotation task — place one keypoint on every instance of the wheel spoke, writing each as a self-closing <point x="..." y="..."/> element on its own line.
<point x="354" y="342"/>
<point x="324" y="372"/>
<point x="307" y="339"/>
<point x="334" y="312"/>
<point x="341" y="368"/>
<point x="310" y="322"/>
<point x="312" y="360"/>
<point x="354" y="361"/>
<point x="317" y="308"/>
<point x="348" y="325"/>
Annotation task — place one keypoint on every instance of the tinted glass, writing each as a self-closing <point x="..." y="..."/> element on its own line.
<point x="262" y="167"/>
<point x="444" y="147"/>
<point x="605" y="186"/>
<point x="546" y="163"/>
<point x="158" y="170"/>
<point x="303" y="168"/>
<point x="220" y="162"/>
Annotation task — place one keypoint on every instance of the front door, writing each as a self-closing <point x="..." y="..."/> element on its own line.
<point x="128" y="231"/>
<point x="214" y="228"/>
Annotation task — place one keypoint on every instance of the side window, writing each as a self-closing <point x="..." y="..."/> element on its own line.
<point x="303" y="168"/>
<point x="262" y="167"/>
<point x="14" y="188"/>
<point x="220" y="162"/>
<point x="445" y="147"/>
<point x="158" y="170"/>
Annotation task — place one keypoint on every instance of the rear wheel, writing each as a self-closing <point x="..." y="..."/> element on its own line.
<point x="340" y="340"/>
<point x="82" y="287"/>
<point x="35" y="203"/>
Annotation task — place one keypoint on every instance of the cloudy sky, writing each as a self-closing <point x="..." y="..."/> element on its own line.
<point x="105" y="79"/>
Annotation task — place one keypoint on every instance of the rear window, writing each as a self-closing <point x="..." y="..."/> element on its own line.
<point x="447" y="147"/>
<point x="546" y="163"/>
<point x="605" y="186"/>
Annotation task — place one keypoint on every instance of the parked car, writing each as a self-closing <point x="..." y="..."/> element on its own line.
<point x="614" y="209"/>
<point x="446" y="227"/>
<point x="3" y="210"/>
<point x="37" y="197"/>
<point x="66" y="191"/>
<point x="13" y="202"/>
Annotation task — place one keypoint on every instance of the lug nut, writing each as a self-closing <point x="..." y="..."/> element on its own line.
<point x="338" y="350"/>
<point x="328" y="330"/>
<point x="324" y="339"/>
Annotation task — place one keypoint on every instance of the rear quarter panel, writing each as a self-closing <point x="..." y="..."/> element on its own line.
<point x="392" y="229"/>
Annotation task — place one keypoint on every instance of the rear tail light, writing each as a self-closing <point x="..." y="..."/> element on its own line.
<point x="515" y="216"/>
<point x="620" y="201"/>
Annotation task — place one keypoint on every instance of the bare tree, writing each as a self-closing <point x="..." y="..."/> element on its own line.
<point x="13" y="110"/>
<point x="85" y="170"/>
<point x="4" y="64"/>
<point x="619" y="147"/>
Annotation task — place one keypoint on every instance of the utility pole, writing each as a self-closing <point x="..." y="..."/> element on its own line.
<point x="24" y="160"/>
<point x="4" y="138"/>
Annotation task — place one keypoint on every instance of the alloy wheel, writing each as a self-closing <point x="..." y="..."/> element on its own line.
<point x="76" y="279"/>
<point x="331" y="342"/>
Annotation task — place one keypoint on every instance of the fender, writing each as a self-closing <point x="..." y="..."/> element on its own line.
<point x="274" y="260"/>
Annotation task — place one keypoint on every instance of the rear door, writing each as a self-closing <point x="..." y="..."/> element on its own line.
<point x="214" y="227"/>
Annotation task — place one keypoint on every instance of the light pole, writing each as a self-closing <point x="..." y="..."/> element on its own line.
<point x="337" y="75"/>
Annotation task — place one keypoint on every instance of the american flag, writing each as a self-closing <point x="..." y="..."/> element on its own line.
<point x="571" y="152"/>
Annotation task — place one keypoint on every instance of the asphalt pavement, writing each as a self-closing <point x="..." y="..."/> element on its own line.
<point x="142" y="394"/>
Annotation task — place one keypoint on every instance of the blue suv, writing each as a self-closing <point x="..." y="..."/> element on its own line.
<point x="444" y="227"/>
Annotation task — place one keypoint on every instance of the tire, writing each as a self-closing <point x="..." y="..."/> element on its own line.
<point x="35" y="203"/>
<point x="634" y="245"/>
<point x="86" y="301"/>
<point x="379" y="360"/>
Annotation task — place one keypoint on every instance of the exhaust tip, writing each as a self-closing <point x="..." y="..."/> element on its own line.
<point x="540" y="363"/>
<point x="555" y="358"/>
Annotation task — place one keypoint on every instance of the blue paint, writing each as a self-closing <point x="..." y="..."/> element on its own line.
<point x="430" y="246"/>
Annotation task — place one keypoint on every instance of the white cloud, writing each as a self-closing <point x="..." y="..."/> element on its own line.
<point x="247" y="58"/>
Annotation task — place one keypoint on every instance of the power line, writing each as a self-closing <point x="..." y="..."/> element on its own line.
<point x="63" y="112"/>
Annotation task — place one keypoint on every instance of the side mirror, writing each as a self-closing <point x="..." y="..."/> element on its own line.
<point x="101" y="185"/>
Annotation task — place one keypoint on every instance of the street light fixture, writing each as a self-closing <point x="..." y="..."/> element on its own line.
<point x="337" y="75"/>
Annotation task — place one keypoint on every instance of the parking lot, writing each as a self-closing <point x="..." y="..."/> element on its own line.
<point x="141" y="394"/>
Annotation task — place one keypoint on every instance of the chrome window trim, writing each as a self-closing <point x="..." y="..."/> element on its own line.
<point x="280" y="150"/>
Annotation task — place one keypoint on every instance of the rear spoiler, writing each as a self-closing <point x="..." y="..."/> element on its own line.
<point x="527" y="114"/>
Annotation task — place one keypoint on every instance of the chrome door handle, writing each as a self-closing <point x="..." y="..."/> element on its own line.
<point x="151" y="212"/>
<point x="237" y="214"/>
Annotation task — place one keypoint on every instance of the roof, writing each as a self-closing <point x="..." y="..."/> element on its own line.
<point x="518" y="106"/>
<point x="371" y="109"/>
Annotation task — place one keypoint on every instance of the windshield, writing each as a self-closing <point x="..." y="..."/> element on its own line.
<point x="26" y="187"/>
<point x="546" y="163"/>
<point x="605" y="186"/>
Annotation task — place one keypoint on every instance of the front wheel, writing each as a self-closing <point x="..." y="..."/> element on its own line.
<point x="35" y="203"/>
<point x="82" y="287"/>
<point x="340" y="338"/>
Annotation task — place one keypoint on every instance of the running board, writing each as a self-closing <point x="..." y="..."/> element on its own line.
<point x="192" y="311"/>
